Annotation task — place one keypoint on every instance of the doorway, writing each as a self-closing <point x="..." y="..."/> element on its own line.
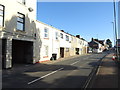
<point x="61" y="52"/>
<point x="77" y="51"/>
<point x="22" y="52"/>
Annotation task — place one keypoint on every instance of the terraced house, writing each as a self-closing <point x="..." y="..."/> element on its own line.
<point x="57" y="43"/>
<point x="26" y="40"/>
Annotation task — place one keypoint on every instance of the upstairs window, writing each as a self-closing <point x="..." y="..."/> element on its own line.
<point x="20" y="22"/>
<point x="75" y="40"/>
<point x="80" y="42"/>
<point x="1" y="15"/>
<point x="61" y="35"/>
<point x="56" y="35"/>
<point x="71" y="38"/>
<point x="45" y="33"/>
<point x="67" y="38"/>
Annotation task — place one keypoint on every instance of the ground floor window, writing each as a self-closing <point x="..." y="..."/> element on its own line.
<point x="67" y="49"/>
<point x="45" y="50"/>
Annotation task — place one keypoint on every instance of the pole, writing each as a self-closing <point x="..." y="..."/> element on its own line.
<point x="115" y="29"/>
<point x="113" y="33"/>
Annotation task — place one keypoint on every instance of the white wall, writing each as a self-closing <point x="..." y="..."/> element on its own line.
<point x="63" y="42"/>
<point x="12" y="7"/>
<point x="55" y="44"/>
<point x="44" y="41"/>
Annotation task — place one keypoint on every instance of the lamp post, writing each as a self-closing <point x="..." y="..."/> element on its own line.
<point x="113" y="32"/>
<point x="116" y="38"/>
<point x="115" y="19"/>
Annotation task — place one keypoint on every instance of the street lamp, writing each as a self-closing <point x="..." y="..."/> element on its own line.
<point x="115" y="19"/>
<point x="117" y="51"/>
<point x="113" y="32"/>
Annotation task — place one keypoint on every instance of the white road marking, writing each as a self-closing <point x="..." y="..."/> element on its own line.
<point x="45" y="76"/>
<point x="74" y="63"/>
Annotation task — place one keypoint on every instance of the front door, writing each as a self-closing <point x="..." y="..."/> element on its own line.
<point x="61" y="52"/>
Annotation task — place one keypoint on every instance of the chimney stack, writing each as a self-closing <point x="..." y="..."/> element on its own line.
<point x="62" y="30"/>
<point x="92" y="39"/>
<point x="78" y="36"/>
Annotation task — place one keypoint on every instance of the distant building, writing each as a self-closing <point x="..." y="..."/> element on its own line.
<point x="96" y="45"/>
<point x="118" y="43"/>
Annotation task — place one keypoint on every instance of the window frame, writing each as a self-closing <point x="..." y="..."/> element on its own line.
<point x="19" y="18"/>
<point x="56" y="35"/>
<point x="67" y="37"/>
<point x="3" y="14"/>
<point x="67" y="49"/>
<point x="71" y="38"/>
<point x="46" y="33"/>
<point x="61" y="35"/>
<point x="24" y="2"/>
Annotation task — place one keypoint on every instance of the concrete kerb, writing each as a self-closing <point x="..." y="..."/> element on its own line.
<point x="94" y="72"/>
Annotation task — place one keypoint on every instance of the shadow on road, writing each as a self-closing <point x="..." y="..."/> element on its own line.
<point x="16" y="77"/>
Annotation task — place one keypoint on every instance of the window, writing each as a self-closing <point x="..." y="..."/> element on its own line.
<point x="56" y="35"/>
<point x="71" y="38"/>
<point x="20" y="22"/>
<point x="1" y="15"/>
<point x="46" y="50"/>
<point x="46" y="33"/>
<point x="83" y="42"/>
<point x="22" y="1"/>
<point x="61" y="35"/>
<point x="67" y="49"/>
<point x="80" y="42"/>
<point x="75" y="40"/>
<point x="67" y="38"/>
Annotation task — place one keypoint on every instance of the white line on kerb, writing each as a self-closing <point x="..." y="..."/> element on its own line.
<point x="45" y="76"/>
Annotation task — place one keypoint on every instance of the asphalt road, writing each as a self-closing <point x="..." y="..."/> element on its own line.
<point x="69" y="73"/>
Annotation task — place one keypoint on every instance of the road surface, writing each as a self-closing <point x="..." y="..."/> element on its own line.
<point x="69" y="73"/>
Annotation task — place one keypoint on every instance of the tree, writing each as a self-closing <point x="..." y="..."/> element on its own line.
<point x="108" y="42"/>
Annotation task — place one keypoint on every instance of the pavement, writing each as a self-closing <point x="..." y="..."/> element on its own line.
<point x="62" y="59"/>
<point x="107" y="74"/>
